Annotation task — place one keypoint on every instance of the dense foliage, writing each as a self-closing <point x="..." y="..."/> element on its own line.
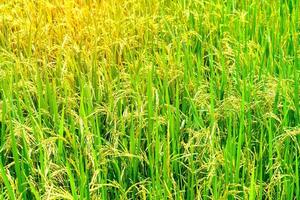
<point x="149" y="99"/>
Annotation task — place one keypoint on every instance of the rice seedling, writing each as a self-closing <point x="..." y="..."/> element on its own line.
<point x="149" y="99"/>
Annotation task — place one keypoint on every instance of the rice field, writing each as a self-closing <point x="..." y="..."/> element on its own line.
<point x="149" y="99"/>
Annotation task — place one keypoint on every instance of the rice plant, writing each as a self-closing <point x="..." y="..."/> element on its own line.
<point x="149" y="99"/>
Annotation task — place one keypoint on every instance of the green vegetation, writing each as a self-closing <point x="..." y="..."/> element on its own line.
<point x="150" y="99"/>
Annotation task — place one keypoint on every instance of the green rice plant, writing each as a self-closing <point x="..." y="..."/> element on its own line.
<point x="157" y="99"/>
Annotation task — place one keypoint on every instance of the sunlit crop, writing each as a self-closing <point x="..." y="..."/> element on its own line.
<point x="149" y="99"/>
